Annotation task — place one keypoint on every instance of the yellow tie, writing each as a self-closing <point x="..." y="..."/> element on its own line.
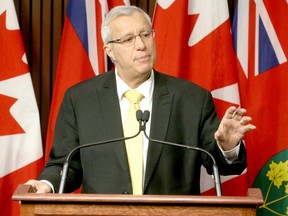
<point x="134" y="147"/>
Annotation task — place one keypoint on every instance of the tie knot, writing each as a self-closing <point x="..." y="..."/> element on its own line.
<point x="133" y="96"/>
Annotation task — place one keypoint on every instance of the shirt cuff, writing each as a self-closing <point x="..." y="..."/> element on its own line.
<point x="232" y="154"/>
<point x="49" y="183"/>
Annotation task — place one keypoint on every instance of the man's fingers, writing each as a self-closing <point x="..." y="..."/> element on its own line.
<point x="245" y="119"/>
<point x="39" y="186"/>
<point x="230" y="112"/>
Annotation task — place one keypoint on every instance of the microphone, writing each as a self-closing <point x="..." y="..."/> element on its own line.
<point x="66" y="163"/>
<point x="216" y="177"/>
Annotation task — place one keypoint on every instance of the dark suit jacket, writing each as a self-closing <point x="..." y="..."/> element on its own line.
<point x="182" y="112"/>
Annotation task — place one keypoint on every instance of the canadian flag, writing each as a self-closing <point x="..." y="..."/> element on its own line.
<point x="194" y="42"/>
<point x="20" y="136"/>
<point x="81" y="53"/>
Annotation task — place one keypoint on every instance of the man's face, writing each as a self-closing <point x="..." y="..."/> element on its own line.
<point x="138" y="58"/>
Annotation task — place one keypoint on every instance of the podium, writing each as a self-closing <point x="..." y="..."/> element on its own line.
<point x="145" y="205"/>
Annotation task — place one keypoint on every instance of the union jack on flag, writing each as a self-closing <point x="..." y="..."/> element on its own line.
<point x="267" y="47"/>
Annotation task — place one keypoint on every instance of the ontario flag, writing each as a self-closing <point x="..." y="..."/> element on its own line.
<point x="81" y="53"/>
<point x="21" y="155"/>
<point x="260" y="30"/>
<point x="194" y="42"/>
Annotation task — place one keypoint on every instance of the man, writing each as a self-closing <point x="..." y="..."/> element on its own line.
<point x="181" y="112"/>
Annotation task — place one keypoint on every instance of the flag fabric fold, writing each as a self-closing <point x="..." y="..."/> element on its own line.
<point x="20" y="136"/>
<point x="194" y="42"/>
<point x="260" y="30"/>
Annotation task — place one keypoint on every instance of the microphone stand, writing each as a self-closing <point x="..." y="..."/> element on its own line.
<point x="66" y="163"/>
<point x="216" y="176"/>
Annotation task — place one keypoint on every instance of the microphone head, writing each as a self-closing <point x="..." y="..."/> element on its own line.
<point x="139" y="115"/>
<point x="146" y="116"/>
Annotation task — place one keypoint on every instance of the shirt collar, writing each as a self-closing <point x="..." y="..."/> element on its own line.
<point x="145" y="88"/>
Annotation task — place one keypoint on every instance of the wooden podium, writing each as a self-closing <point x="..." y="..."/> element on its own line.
<point x="148" y="205"/>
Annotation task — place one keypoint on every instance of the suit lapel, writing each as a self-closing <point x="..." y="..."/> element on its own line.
<point x="162" y="103"/>
<point x="112" y="119"/>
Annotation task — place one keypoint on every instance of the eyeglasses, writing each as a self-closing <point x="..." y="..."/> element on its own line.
<point x="129" y="40"/>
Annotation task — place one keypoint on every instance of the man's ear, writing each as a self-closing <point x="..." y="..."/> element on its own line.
<point x="109" y="52"/>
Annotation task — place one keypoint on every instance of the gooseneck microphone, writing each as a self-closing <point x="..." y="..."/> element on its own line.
<point x="216" y="177"/>
<point x="66" y="163"/>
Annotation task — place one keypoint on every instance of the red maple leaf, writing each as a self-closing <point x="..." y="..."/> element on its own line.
<point x="8" y="125"/>
<point x="11" y="65"/>
<point x="11" y="52"/>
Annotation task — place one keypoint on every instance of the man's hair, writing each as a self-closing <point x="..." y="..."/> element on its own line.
<point x="116" y="12"/>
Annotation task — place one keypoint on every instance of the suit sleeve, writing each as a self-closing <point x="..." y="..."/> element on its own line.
<point x="65" y="139"/>
<point x="209" y="124"/>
